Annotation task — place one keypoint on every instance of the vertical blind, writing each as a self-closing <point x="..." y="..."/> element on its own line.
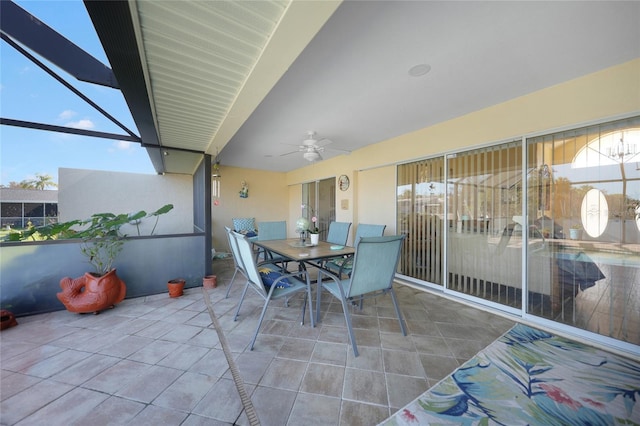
<point x="421" y="217"/>
<point x="484" y="245"/>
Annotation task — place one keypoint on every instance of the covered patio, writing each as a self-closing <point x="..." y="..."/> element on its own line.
<point x="156" y="360"/>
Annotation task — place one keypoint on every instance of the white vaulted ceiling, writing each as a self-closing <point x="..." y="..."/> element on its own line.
<point x="209" y="64"/>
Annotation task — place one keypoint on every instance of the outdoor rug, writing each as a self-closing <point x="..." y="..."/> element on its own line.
<point x="531" y="377"/>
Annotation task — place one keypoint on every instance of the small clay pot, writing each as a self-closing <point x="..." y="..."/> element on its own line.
<point x="210" y="281"/>
<point x="8" y="320"/>
<point x="176" y="287"/>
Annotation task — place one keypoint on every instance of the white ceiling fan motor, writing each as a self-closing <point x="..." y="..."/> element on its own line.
<point x="311" y="156"/>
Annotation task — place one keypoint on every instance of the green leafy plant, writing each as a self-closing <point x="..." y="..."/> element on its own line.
<point x="102" y="239"/>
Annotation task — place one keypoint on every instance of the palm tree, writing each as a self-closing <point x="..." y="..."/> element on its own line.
<point x="41" y="182"/>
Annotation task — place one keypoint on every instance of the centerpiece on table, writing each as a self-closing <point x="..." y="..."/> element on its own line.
<point x="314" y="235"/>
<point x="302" y="226"/>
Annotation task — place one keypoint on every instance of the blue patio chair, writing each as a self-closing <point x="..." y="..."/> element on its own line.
<point x="236" y="259"/>
<point x="269" y="283"/>
<point x="272" y="231"/>
<point x="343" y="265"/>
<point x="338" y="233"/>
<point x="374" y="268"/>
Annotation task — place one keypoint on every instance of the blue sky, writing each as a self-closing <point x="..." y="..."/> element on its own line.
<point x="28" y="93"/>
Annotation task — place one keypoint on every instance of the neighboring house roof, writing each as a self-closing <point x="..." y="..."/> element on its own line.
<point x="28" y="195"/>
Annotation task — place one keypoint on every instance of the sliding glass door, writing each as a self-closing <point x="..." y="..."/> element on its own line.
<point x="584" y="198"/>
<point x="552" y="233"/>
<point x="319" y="200"/>
<point x="421" y="206"/>
<point x="485" y="226"/>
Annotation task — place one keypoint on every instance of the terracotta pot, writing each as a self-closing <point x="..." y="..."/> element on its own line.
<point x="210" y="281"/>
<point x="176" y="287"/>
<point x="92" y="293"/>
<point x="8" y="319"/>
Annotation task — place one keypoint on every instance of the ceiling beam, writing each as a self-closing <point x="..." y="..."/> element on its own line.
<point x="44" y="40"/>
<point x="114" y="25"/>
<point x="69" y="130"/>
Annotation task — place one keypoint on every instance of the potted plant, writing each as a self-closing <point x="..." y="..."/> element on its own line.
<point x="176" y="287"/>
<point x="314" y="231"/>
<point x="102" y="242"/>
<point x="210" y="281"/>
<point x="575" y="232"/>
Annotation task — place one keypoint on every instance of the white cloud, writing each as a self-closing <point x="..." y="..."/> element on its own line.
<point x="122" y="145"/>
<point x="81" y="124"/>
<point x="67" y="114"/>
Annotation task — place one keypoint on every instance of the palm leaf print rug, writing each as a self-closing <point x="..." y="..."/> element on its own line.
<point x="532" y="377"/>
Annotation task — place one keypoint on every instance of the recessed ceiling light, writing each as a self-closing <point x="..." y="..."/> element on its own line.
<point x="418" y="70"/>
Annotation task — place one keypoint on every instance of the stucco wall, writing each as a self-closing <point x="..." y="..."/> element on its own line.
<point x="82" y="193"/>
<point x="377" y="210"/>
<point x="268" y="200"/>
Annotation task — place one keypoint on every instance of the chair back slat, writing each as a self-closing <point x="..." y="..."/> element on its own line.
<point x="272" y="230"/>
<point x="247" y="259"/>
<point x="368" y="230"/>
<point x="338" y="233"/>
<point x="234" y="248"/>
<point x="375" y="264"/>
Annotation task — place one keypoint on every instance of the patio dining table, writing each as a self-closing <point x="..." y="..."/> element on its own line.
<point x="305" y="253"/>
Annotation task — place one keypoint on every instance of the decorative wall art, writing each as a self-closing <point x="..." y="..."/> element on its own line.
<point x="244" y="192"/>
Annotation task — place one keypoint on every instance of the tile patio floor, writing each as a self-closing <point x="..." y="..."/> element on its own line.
<point x="158" y="361"/>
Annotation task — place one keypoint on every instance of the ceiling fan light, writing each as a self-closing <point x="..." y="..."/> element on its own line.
<point x="311" y="156"/>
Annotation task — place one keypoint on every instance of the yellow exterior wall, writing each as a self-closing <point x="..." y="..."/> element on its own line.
<point x="268" y="200"/>
<point x="380" y="210"/>
<point x="371" y="198"/>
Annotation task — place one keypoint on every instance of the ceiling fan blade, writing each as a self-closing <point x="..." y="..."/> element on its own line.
<point x="324" y="142"/>
<point x="345" y="151"/>
<point x="289" y="153"/>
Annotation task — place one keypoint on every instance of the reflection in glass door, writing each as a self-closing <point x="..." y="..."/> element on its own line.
<point x="584" y="198"/>
<point x="485" y="224"/>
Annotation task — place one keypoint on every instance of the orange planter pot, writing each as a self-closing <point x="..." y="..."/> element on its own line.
<point x="210" y="281"/>
<point x="91" y="293"/>
<point x="8" y="320"/>
<point x="176" y="287"/>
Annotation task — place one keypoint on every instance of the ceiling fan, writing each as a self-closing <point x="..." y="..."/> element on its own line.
<point x="311" y="147"/>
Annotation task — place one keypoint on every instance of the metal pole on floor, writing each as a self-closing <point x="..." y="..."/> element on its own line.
<point x="235" y="373"/>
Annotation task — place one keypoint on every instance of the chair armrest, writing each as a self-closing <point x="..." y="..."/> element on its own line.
<point x="346" y="259"/>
